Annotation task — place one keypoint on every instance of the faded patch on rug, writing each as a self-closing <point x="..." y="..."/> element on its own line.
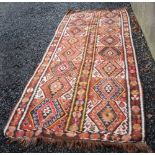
<point x="87" y="87"/>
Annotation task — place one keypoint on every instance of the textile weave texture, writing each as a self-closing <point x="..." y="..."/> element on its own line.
<point x="87" y="86"/>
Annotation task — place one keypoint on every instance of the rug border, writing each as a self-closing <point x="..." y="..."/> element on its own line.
<point x="138" y="76"/>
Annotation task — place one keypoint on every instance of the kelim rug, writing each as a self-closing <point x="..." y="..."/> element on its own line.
<point x="86" y="91"/>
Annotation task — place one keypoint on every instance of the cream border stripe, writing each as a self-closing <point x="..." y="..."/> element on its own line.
<point x="139" y="83"/>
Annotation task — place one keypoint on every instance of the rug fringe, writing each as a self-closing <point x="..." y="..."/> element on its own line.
<point x="83" y="144"/>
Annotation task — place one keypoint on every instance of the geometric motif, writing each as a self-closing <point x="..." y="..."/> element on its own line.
<point x="68" y="54"/>
<point x="109" y="40"/>
<point x="55" y="87"/>
<point x="47" y="113"/>
<point x="110" y="14"/>
<point x="109" y="21"/>
<point x="108" y="89"/>
<point x="62" y="68"/>
<point x="108" y="30"/>
<point x="107" y="116"/>
<point x="74" y="30"/>
<point x="78" y="22"/>
<point x="109" y="68"/>
<point x="72" y="40"/>
<point x="109" y="52"/>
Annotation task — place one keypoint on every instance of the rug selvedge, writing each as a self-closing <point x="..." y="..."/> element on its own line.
<point x="87" y="86"/>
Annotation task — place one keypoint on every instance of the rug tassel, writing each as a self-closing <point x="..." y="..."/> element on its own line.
<point x="144" y="147"/>
<point x="10" y="140"/>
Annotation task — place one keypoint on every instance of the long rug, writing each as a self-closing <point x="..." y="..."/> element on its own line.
<point x="87" y="88"/>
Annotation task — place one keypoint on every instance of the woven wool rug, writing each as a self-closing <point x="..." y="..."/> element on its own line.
<point x="87" y="89"/>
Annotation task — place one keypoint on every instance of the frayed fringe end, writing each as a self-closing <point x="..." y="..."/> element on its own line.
<point x="83" y="144"/>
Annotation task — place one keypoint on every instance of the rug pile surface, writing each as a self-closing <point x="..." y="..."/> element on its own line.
<point x="87" y="86"/>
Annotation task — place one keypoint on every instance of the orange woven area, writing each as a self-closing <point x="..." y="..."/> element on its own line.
<point x="87" y="85"/>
